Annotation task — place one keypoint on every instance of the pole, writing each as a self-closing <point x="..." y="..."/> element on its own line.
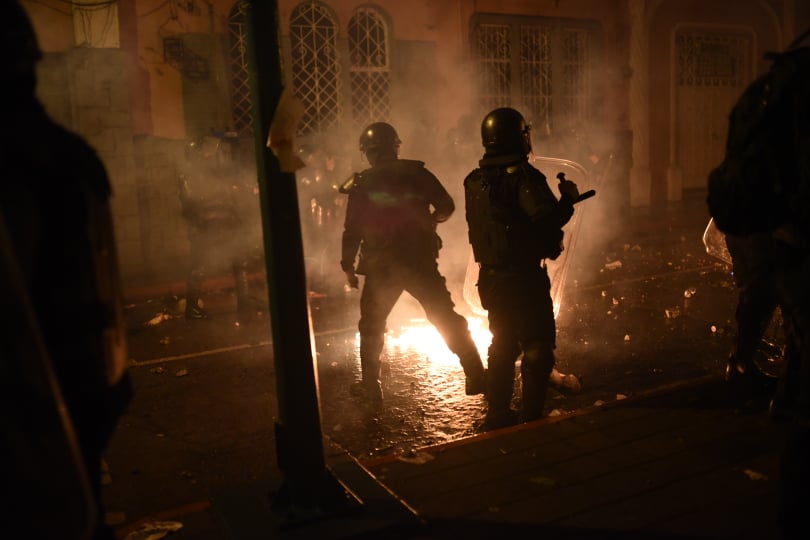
<point x="308" y="490"/>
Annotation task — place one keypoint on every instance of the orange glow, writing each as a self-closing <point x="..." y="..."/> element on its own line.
<point x="423" y="338"/>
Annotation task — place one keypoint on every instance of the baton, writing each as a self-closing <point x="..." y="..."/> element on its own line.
<point x="587" y="195"/>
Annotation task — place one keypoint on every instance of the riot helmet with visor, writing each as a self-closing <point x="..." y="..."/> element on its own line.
<point x="504" y="131"/>
<point x="379" y="136"/>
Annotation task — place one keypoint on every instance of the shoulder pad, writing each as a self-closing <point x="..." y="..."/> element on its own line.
<point x="527" y="170"/>
<point x="350" y="183"/>
<point x="472" y="174"/>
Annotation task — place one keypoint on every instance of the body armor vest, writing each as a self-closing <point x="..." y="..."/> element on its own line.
<point x="500" y="231"/>
<point x="395" y="214"/>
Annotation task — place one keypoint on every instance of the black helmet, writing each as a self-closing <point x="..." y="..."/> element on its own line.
<point x="379" y="135"/>
<point x="505" y="131"/>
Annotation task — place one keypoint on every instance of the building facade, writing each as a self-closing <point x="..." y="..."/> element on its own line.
<point x="649" y="82"/>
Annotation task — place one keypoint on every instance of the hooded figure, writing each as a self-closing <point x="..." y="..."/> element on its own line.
<point x="59" y="245"/>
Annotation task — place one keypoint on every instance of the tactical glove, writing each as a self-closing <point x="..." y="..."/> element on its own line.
<point x="568" y="190"/>
<point x="352" y="279"/>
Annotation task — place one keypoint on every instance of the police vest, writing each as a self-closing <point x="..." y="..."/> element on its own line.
<point x="500" y="232"/>
<point x="395" y="210"/>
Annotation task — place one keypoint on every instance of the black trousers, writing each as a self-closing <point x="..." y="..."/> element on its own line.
<point x="521" y="319"/>
<point x="421" y="279"/>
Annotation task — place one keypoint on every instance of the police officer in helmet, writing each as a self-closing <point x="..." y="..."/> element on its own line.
<point x="515" y="224"/>
<point x="218" y="203"/>
<point x="390" y="231"/>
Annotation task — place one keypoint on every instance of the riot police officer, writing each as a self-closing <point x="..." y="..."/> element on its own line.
<point x="219" y="207"/>
<point x="390" y="228"/>
<point x="515" y="223"/>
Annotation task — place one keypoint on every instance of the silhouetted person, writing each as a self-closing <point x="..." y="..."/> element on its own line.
<point x="54" y="201"/>
<point x="515" y="223"/>
<point x="391" y="219"/>
<point x="762" y="187"/>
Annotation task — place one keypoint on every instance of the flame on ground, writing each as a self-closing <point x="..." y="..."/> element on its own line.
<point x="422" y="337"/>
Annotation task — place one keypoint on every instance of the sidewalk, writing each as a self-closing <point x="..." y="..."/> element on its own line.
<point x="680" y="462"/>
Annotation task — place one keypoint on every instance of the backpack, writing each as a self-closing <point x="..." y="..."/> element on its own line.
<point x="754" y="189"/>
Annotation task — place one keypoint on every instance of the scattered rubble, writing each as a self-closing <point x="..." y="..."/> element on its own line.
<point x="154" y="530"/>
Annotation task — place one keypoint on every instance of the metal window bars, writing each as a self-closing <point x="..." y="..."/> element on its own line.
<point x="369" y="74"/>
<point x="315" y="67"/>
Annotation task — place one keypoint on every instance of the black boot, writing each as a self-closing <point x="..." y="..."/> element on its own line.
<point x="370" y="351"/>
<point x="534" y="387"/>
<point x="456" y="335"/>
<point x="193" y="286"/>
<point x="535" y="369"/>
<point x="474" y="372"/>
<point x="500" y="381"/>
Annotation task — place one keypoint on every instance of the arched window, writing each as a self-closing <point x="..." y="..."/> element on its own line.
<point x="241" y="106"/>
<point x="370" y="69"/>
<point x="315" y="68"/>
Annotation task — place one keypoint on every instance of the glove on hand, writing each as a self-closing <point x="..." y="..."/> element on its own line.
<point x="352" y="280"/>
<point x="569" y="190"/>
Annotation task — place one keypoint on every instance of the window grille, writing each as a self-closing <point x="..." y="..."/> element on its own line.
<point x="712" y="59"/>
<point x="315" y="68"/>
<point x="539" y="65"/>
<point x="370" y="70"/>
<point x="575" y="83"/>
<point x="190" y="64"/>
<point x="494" y="62"/>
<point x="536" y="73"/>
<point x="241" y="106"/>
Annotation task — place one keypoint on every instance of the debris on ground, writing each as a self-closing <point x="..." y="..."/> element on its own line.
<point x="690" y="292"/>
<point x="543" y="481"/>
<point x="416" y="458"/>
<point x="564" y="383"/>
<point x="157" y="319"/>
<point x="754" y="475"/>
<point x="154" y="530"/>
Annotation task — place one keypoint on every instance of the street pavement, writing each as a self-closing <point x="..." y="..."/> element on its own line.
<point x="654" y="446"/>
